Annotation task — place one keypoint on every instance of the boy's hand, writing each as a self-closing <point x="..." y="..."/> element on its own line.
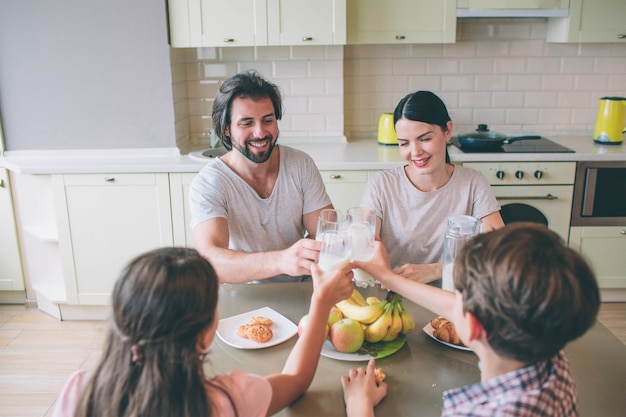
<point x="361" y="392"/>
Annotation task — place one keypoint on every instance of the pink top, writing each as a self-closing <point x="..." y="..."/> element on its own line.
<point x="250" y="394"/>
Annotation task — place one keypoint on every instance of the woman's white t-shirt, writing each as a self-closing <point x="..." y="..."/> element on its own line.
<point x="414" y="222"/>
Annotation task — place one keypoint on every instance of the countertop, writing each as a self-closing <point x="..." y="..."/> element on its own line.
<point x="362" y="153"/>
<point x="419" y="372"/>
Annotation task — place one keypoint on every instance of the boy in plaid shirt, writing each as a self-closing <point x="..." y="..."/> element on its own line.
<point x="520" y="296"/>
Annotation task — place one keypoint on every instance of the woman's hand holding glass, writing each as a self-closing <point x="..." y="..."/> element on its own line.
<point x="361" y="234"/>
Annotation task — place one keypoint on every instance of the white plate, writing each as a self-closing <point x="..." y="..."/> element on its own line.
<point x="428" y="329"/>
<point x="282" y="327"/>
<point x="329" y="351"/>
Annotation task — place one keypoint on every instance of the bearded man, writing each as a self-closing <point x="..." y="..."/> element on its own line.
<point x="252" y="208"/>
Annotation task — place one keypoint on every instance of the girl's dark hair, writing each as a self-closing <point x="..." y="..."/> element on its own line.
<point x="150" y="365"/>
<point x="249" y="84"/>
<point x="423" y="106"/>
<point x="531" y="293"/>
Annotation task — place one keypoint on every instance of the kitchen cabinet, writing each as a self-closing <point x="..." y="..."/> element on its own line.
<point x="103" y="222"/>
<point x="181" y="216"/>
<point x="345" y="187"/>
<point x="11" y="275"/>
<point x="604" y="247"/>
<point x="216" y="23"/>
<point x="590" y="21"/>
<point x="401" y="21"/>
<point x="306" y="22"/>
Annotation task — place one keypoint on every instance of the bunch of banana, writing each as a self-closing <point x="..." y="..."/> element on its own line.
<point x="383" y="320"/>
<point x="357" y="308"/>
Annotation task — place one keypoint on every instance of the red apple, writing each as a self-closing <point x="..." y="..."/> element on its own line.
<point x="334" y="316"/>
<point x="304" y="322"/>
<point x="347" y="335"/>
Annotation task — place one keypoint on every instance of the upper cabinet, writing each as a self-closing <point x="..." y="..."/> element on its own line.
<point x="401" y="21"/>
<point x="590" y="21"/>
<point x="306" y="22"/>
<point x="217" y="23"/>
<point x="231" y="23"/>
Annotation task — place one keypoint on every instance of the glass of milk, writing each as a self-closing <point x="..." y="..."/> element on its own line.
<point x="361" y="233"/>
<point x="332" y="231"/>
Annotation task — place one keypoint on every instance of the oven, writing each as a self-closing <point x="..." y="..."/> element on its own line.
<point x="539" y="192"/>
<point x="600" y="194"/>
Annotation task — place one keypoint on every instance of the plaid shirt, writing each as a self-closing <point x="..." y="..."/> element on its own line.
<point x="542" y="389"/>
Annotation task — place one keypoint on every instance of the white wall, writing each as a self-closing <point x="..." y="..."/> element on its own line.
<point x="500" y="72"/>
<point x="78" y="74"/>
<point x="97" y="74"/>
<point x="310" y="78"/>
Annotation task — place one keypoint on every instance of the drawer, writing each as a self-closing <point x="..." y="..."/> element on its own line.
<point x="339" y="176"/>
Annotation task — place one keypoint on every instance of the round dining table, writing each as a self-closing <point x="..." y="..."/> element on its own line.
<point x="418" y="373"/>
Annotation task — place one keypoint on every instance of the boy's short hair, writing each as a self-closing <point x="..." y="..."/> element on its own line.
<point x="531" y="293"/>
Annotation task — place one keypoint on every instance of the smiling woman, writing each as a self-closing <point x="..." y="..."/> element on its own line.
<point x="413" y="202"/>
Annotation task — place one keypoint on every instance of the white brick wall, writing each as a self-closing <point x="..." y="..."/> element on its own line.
<point x="500" y="72"/>
<point x="310" y="78"/>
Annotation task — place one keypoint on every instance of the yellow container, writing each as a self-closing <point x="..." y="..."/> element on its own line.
<point x="610" y="122"/>
<point x="386" y="130"/>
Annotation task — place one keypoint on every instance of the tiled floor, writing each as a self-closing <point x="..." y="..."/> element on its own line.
<point x="38" y="352"/>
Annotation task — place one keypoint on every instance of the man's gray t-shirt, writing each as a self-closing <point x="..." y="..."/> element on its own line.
<point x="414" y="222"/>
<point x="258" y="224"/>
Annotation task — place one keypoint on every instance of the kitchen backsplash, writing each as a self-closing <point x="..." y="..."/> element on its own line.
<point x="500" y="72"/>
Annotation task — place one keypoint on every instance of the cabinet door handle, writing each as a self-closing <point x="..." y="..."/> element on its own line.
<point x="621" y="36"/>
<point x="306" y="39"/>
<point x="400" y="37"/>
<point x="229" y="40"/>
<point x="109" y="179"/>
<point x="1" y="183"/>
<point x="530" y="197"/>
<point x="335" y="176"/>
<point x="623" y="232"/>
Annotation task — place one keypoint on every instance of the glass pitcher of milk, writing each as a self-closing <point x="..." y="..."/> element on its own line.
<point x="461" y="228"/>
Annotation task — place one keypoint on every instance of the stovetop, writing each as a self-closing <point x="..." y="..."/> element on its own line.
<point x="543" y="145"/>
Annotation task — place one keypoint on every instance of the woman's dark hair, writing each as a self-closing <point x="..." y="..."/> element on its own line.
<point x="150" y="365"/>
<point x="531" y="293"/>
<point x="423" y="106"/>
<point x="249" y="84"/>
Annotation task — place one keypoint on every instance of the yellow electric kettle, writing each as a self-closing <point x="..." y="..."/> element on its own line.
<point x="386" y="130"/>
<point x="610" y="121"/>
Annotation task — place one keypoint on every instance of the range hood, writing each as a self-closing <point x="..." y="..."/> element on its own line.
<point x="512" y="8"/>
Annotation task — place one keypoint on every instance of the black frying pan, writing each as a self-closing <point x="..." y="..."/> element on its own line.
<point x="483" y="138"/>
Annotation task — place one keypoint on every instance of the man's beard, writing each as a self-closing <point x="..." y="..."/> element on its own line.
<point x="256" y="158"/>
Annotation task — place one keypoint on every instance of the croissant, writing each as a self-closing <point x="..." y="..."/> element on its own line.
<point x="444" y="330"/>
